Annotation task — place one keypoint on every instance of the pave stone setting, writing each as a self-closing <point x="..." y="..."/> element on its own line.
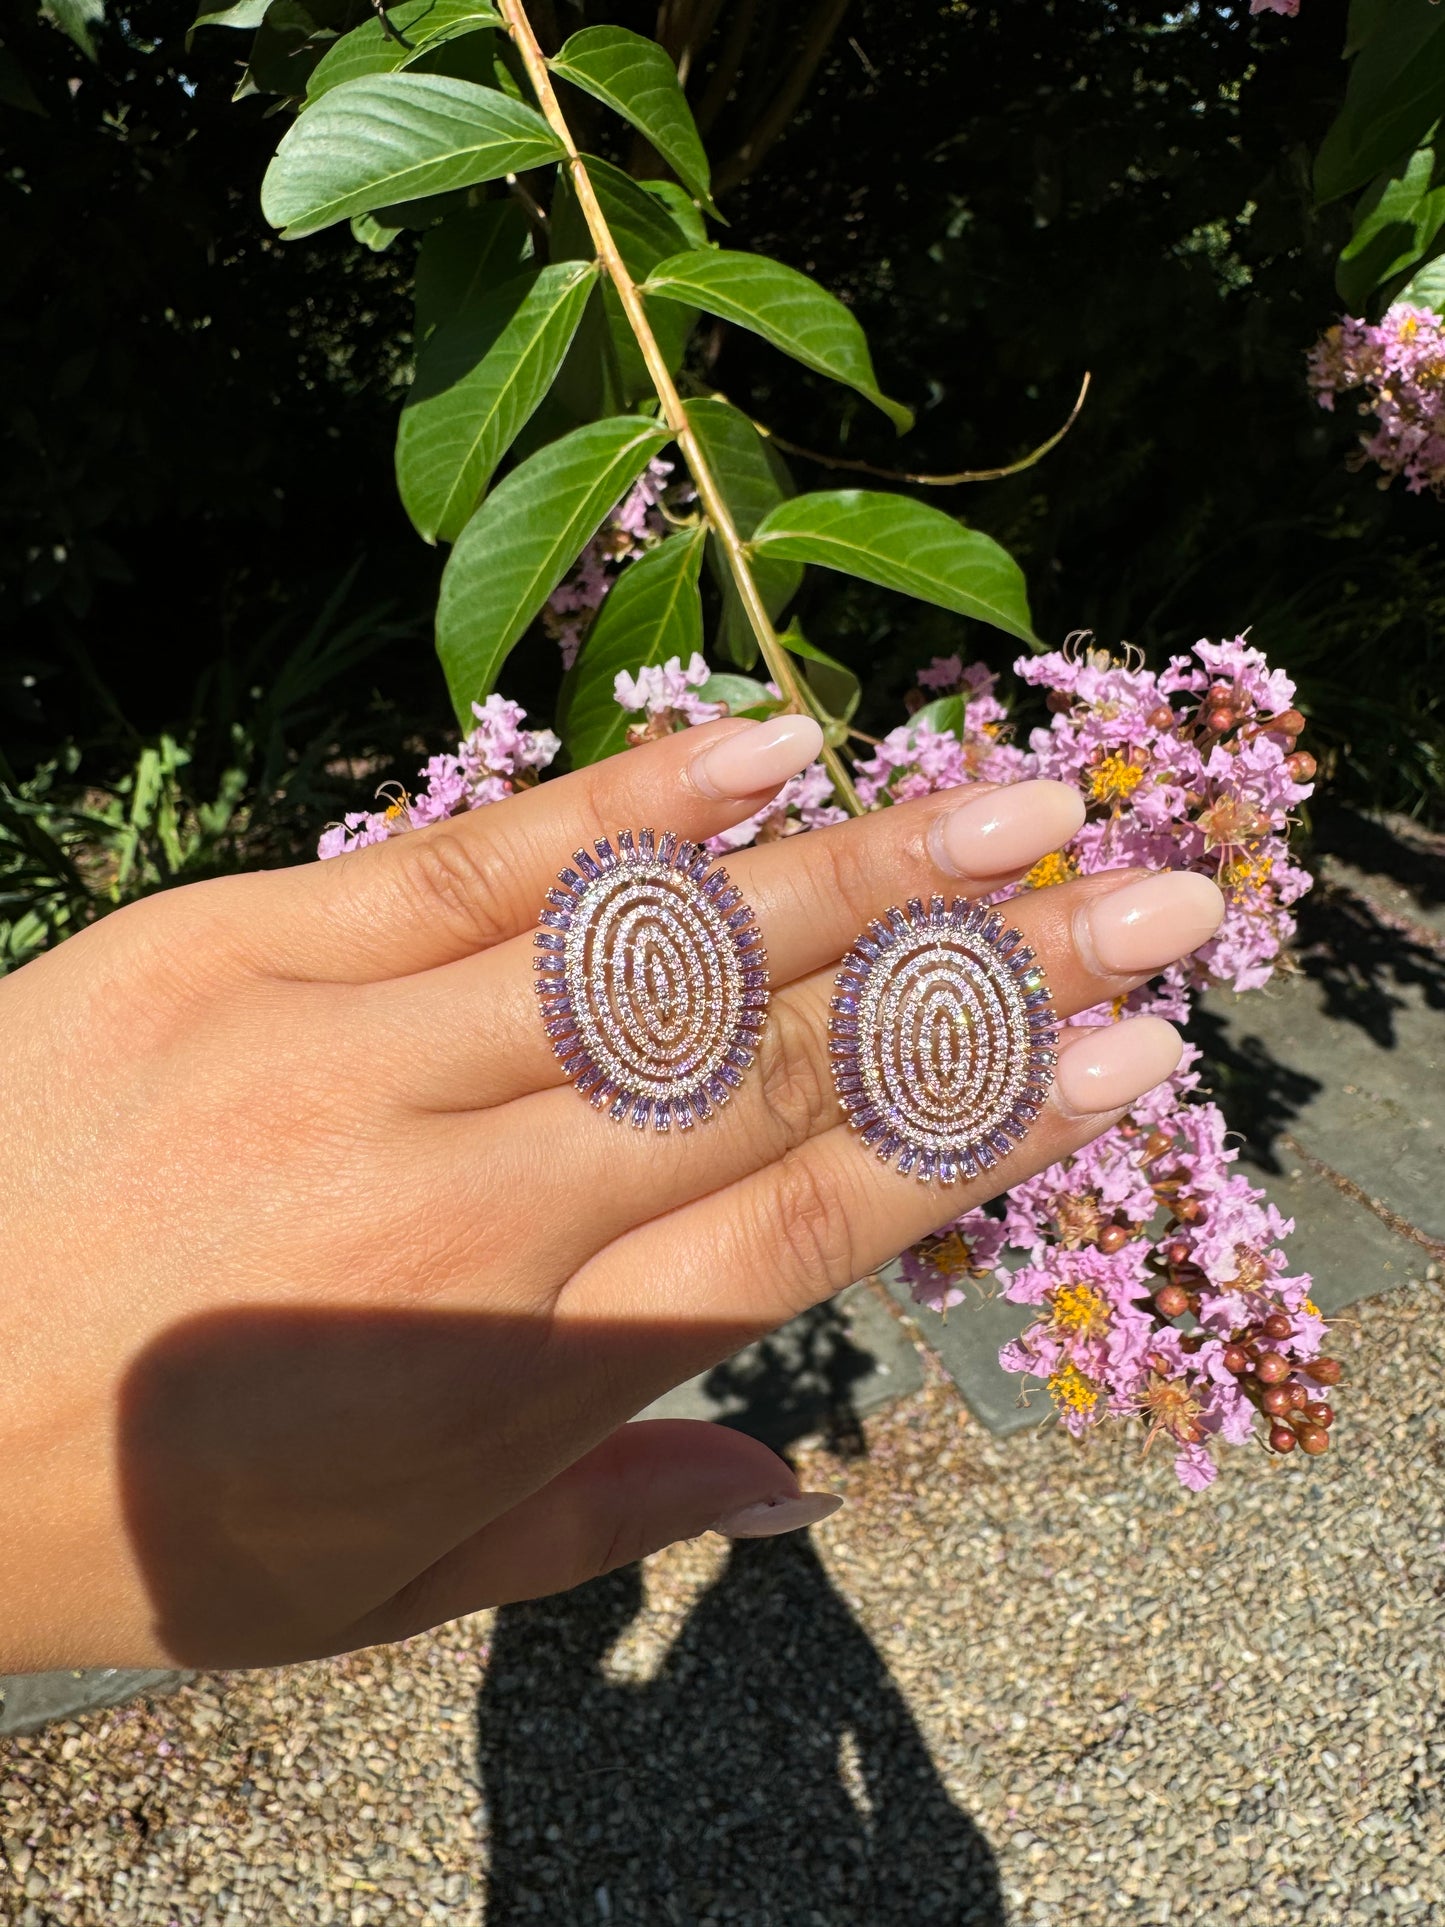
<point x="652" y="980"/>
<point x="942" y="1035"/>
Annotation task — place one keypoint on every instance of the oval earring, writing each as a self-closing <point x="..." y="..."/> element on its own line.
<point x="942" y="1034"/>
<point x="652" y="980"/>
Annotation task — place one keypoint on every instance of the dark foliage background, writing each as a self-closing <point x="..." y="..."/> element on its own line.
<point x="200" y="418"/>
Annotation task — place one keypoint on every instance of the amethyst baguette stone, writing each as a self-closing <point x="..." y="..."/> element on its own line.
<point x="652" y="980"/>
<point x="935" y="1035"/>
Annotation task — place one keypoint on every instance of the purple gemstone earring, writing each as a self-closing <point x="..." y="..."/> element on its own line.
<point x="942" y="1038"/>
<point x="652" y="980"/>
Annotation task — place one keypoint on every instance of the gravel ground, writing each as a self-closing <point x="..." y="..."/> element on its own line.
<point x="1012" y="1682"/>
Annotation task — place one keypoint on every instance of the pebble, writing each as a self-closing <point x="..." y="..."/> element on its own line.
<point x="1011" y="1680"/>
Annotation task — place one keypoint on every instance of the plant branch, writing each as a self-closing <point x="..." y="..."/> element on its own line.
<point x="791" y="687"/>
<point x="930" y="481"/>
<point x="784" y="104"/>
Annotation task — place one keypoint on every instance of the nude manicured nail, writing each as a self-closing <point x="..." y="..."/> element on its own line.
<point x="1145" y="925"/>
<point x="1006" y="830"/>
<point x="769" y="1517"/>
<point x="761" y="757"/>
<point x="1109" y="1067"/>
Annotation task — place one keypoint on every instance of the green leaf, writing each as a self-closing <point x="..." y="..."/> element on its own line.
<point x="522" y="541"/>
<point x="943" y="713"/>
<point x="904" y="545"/>
<point x="478" y="379"/>
<point x="635" y="78"/>
<point x="646" y="231"/>
<point x="754" y="479"/>
<point x="291" y="41"/>
<point x="743" y="696"/>
<point x="372" y="233"/>
<point x="416" y="29"/>
<point x="1426" y="287"/>
<point x="396" y="137"/>
<point x="15" y="88"/>
<point x="785" y="308"/>
<point x="1395" y="223"/>
<point x="832" y="682"/>
<point x="461" y="261"/>
<point x="1396" y="93"/>
<point x="244" y="14"/>
<point x="652" y="612"/>
<point x="76" y="18"/>
<point x="683" y="209"/>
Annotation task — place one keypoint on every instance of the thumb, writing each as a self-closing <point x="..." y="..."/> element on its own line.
<point x="650" y="1483"/>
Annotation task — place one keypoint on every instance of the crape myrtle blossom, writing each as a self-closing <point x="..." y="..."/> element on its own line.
<point x="1155" y="1274"/>
<point x="1398" y="363"/>
<point x="1290" y="7"/>
<point x="636" y="524"/>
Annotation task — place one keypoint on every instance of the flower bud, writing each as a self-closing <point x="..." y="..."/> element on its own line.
<point x="1236" y="1359"/>
<point x="1189" y="1211"/>
<point x="1281" y="1438"/>
<point x="1156" y="1144"/>
<point x="1298" y="1396"/>
<point x="1060" y="701"/>
<point x="1313" y="1439"/>
<point x="1157" y="1362"/>
<point x="1218" y="718"/>
<point x="1112" y="1238"/>
<point x="1272" y="1367"/>
<point x="1288" y="722"/>
<point x="1171" y="1300"/>
<point x="1301" y="766"/>
<point x="1189" y="1431"/>
<point x="1176" y="1252"/>
<point x="1161" y="718"/>
<point x="1318" y="1413"/>
<point x="1275" y="1400"/>
<point x="1324" y="1371"/>
<point x="1279" y="1324"/>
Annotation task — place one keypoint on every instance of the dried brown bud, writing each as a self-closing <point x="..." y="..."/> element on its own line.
<point x="1156" y="1144"/>
<point x="1060" y="701"/>
<point x="1112" y="1238"/>
<point x="1189" y="1211"/>
<point x="1318" y="1413"/>
<point x="1301" y="766"/>
<point x="1192" y="1342"/>
<point x="1272" y="1367"/>
<point x="1275" y="1400"/>
<point x="1324" y="1371"/>
<point x="1236" y="1359"/>
<point x="1171" y="1300"/>
<point x="1279" y="1324"/>
<point x="1313" y="1439"/>
<point x="1281" y="1438"/>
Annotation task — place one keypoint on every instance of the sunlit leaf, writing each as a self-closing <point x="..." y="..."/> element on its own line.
<point x="522" y="541"/>
<point x="784" y="307"/>
<point x="478" y="379"/>
<point x="1395" y="94"/>
<point x="409" y="33"/>
<point x="905" y="545"/>
<point x="652" y="612"/>
<point x="833" y="683"/>
<point x="635" y="78"/>
<point x="754" y="479"/>
<point x="396" y="137"/>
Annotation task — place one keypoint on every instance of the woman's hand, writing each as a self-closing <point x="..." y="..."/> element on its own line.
<point x="327" y="1303"/>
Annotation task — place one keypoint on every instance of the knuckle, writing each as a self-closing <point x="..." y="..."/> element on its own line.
<point x="455" y="881"/>
<point x="793" y="1075"/>
<point x="850" y="879"/>
<point x="809" y="1236"/>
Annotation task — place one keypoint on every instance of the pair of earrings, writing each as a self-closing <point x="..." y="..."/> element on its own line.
<point x="652" y="982"/>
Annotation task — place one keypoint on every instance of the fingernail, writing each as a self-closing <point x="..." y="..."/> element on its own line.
<point x="1111" y="1066"/>
<point x="769" y="1517"/>
<point x="1009" y="829"/>
<point x="1147" y="924"/>
<point x="761" y="757"/>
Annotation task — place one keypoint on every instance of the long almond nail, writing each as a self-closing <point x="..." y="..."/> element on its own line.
<point x="1147" y="924"/>
<point x="769" y="1517"/>
<point x="1006" y="830"/>
<point x="1109" y="1067"/>
<point x="757" y="759"/>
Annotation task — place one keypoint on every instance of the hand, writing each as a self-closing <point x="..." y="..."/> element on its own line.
<point x="327" y="1303"/>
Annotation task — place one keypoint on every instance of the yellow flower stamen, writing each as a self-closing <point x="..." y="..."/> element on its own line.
<point x="1081" y="1309"/>
<point x="1313" y="1309"/>
<point x="1114" y="779"/>
<point x="1071" y="1391"/>
<point x="1057" y="867"/>
<point x="1245" y="875"/>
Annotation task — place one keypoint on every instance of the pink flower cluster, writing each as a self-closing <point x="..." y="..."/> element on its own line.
<point x="1290" y="7"/>
<point x="495" y="758"/>
<point x="1193" y="767"/>
<point x="1399" y="363"/>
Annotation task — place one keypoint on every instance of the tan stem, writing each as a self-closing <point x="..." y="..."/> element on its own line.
<point x="792" y="689"/>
